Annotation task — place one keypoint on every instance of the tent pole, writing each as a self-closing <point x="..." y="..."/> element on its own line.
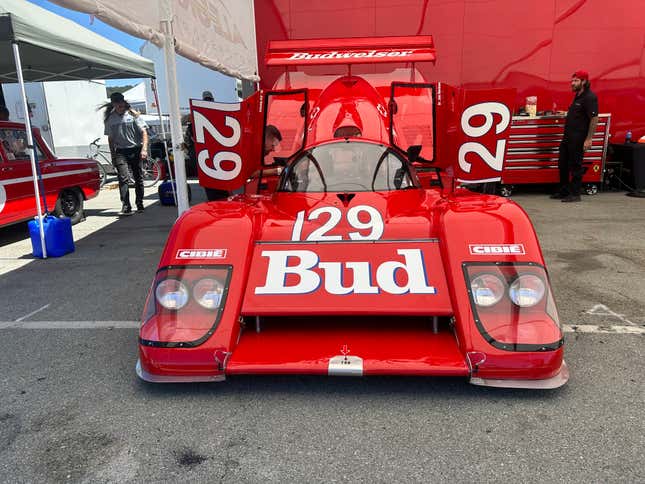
<point x="153" y="85"/>
<point x="30" y="142"/>
<point x="173" y="98"/>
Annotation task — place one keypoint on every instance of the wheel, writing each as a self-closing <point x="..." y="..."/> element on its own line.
<point x="151" y="172"/>
<point x="505" y="190"/>
<point x="70" y="205"/>
<point x="102" y="174"/>
<point x="591" y="189"/>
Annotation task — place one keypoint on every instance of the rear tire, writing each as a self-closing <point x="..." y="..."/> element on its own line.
<point x="506" y="190"/>
<point x="70" y="205"/>
<point x="591" y="189"/>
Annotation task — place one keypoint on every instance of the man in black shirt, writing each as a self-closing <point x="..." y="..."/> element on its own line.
<point x="579" y="127"/>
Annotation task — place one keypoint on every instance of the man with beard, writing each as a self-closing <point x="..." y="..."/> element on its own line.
<point x="579" y="127"/>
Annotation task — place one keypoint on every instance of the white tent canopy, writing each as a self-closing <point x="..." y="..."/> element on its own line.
<point x="53" y="48"/>
<point x="219" y="34"/>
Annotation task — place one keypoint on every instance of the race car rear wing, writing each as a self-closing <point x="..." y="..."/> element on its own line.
<point x="357" y="50"/>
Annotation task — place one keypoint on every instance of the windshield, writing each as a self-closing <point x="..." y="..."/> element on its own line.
<point x="348" y="166"/>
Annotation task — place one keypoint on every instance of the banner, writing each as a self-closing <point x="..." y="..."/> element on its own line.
<point x="219" y="34"/>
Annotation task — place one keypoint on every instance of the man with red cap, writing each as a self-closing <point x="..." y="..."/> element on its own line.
<point x="579" y="127"/>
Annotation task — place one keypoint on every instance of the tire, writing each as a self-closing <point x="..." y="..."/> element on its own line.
<point x="151" y="172"/>
<point x="70" y="205"/>
<point x="506" y="190"/>
<point x="591" y="189"/>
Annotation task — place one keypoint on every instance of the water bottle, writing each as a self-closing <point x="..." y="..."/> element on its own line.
<point x="628" y="137"/>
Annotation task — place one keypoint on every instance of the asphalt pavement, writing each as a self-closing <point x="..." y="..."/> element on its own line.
<point x="73" y="410"/>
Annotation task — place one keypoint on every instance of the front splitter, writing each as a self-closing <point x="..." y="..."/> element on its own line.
<point x="555" y="381"/>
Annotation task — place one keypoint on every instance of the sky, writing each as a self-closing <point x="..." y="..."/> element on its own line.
<point x="100" y="28"/>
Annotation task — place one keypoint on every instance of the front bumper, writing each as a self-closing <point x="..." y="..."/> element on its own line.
<point x="149" y="377"/>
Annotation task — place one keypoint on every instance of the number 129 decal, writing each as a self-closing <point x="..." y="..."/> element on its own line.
<point x="374" y="224"/>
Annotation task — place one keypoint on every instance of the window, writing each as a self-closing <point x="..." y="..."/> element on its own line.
<point x="14" y="142"/>
<point x="348" y="166"/>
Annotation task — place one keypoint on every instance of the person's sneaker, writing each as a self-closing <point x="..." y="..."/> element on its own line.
<point x="571" y="198"/>
<point x="140" y="208"/>
<point x="557" y="195"/>
<point x="126" y="211"/>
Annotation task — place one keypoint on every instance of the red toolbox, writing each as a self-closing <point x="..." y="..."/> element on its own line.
<point x="533" y="150"/>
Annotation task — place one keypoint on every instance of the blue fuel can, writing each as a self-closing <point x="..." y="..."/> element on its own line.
<point x="58" y="236"/>
<point x="165" y="192"/>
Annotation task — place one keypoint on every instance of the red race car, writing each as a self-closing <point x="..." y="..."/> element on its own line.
<point x="355" y="248"/>
<point x="67" y="182"/>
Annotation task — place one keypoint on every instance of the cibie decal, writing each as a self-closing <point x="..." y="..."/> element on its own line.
<point x="496" y="249"/>
<point x="201" y="254"/>
<point x="308" y="273"/>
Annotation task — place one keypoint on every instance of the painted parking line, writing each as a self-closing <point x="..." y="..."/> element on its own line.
<point x="28" y="315"/>
<point x="568" y="328"/>
<point x="602" y="310"/>
<point x="69" y="324"/>
<point x="603" y="329"/>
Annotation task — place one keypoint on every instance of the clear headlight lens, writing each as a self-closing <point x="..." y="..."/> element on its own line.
<point x="527" y="290"/>
<point x="172" y="294"/>
<point x="487" y="289"/>
<point x="208" y="293"/>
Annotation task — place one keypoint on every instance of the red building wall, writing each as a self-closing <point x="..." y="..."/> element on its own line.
<point x="531" y="45"/>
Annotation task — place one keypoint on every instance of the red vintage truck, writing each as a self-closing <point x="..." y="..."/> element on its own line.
<point x="67" y="182"/>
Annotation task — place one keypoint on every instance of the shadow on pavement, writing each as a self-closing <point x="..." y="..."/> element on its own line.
<point x="107" y="276"/>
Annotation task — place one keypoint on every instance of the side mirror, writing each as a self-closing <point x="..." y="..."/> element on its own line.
<point x="413" y="153"/>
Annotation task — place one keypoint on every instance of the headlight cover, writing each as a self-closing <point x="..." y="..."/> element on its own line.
<point x="525" y="317"/>
<point x="185" y="305"/>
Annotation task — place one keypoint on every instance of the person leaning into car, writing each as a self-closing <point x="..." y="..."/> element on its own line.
<point x="579" y="127"/>
<point x="128" y="138"/>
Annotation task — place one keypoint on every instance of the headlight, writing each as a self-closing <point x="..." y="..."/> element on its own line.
<point x="208" y="293"/>
<point x="527" y="290"/>
<point x="172" y="294"/>
<point x="487" y="289"/>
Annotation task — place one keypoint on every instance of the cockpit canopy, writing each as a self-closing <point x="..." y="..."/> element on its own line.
<point x="348" y="166"/>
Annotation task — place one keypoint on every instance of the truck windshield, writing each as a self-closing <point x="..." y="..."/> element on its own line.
<point x="348" y="166"/>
